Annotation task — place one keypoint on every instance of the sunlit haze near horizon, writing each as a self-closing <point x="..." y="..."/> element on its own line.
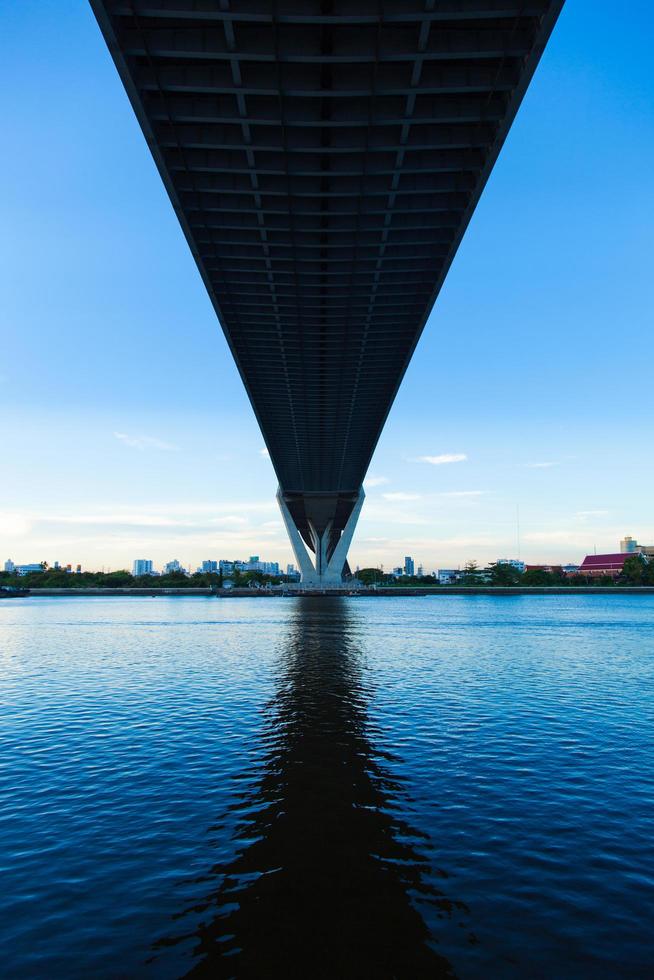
<point x="126" y="431"/>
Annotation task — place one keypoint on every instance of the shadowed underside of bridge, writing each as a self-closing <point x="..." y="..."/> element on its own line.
<point x="324" y="158"/>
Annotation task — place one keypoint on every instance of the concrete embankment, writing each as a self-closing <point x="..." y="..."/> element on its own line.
<point x="118" y="592"/>
<point x="397" y="592"/>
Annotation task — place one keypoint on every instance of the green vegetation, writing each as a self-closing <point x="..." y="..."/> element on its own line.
<point x="377" y="576"/>
<point x="50" y="578"/>
<point x="472" y="575"/>
<point x="637" y="571"/>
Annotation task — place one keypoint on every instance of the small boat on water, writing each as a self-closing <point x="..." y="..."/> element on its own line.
<point x="8" y="592"/>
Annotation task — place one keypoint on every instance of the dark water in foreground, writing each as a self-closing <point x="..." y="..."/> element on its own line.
<point x="425" y="787"/>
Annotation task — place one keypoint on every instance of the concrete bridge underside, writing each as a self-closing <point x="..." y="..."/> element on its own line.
<point x="324" y="158"/>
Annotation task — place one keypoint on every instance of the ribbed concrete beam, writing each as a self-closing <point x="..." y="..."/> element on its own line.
<point x="324" y="160"/>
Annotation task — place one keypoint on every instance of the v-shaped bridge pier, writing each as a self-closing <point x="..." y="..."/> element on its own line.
<point x="326" y="567"/>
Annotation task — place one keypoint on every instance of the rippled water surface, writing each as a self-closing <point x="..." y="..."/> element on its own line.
<point x="417" y="787"/>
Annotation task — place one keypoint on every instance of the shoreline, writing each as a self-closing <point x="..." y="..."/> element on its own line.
<point x="398" y="592"/>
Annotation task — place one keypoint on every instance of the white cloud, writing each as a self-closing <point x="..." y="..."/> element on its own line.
<point x="375" y="481"/>
<point x="230" y="520"/>
<point x="145" y="442"/>
<point x="463" y="493"/>
<point x="401" y="496"/>
<point x="442" y="459"/>
<point x="264" y="452"/>
<point x="560" y="537"/>
<point x="542" y="466"/>
<point x="120" y="519"/>
<point x="583" y="515"/>
<point x="13" y="525"/>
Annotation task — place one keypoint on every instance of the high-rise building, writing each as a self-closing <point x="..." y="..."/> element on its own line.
<point x="630" y="546"/>
<point x="409" y="567"/>
<point x="173" y="566"/>
<point x="142" y="566"/>
<point x="9" y="565"/>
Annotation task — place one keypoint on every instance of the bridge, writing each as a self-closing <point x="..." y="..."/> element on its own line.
<point x="324" y="158"/>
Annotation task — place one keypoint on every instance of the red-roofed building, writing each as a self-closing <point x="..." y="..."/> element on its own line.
<point x="596" y="565"/>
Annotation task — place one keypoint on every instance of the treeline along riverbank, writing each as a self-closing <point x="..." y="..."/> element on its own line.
<point x="364" y="593"/>
<point x="636" y="574"/>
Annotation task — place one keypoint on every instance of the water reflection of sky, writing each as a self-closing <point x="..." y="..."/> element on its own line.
<point x="327" y="782"/>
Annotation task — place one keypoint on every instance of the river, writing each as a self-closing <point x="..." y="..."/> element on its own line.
<point x="347" y="787"/>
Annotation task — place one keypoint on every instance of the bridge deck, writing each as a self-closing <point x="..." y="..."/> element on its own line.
<point x="324" y="158"/>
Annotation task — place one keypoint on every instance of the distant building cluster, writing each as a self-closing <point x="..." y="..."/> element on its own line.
<point x="407" y="569"/>
<point x="14" y="569"/>
<point x="223" y="566"/>
<point x="145" y="566"/>
<point x="593" y="566"/>
<point x="228" y="567"/>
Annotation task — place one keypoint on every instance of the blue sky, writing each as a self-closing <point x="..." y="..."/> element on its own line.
<point x="126" y="431"/>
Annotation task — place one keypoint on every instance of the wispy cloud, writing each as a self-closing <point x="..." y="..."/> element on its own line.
<point x="14" y="525"/>
<point x="463" y="493"/>
<point x="552" y="537"/>
<point x="145" y="442"/>
<point x="546" y="465"/>
<point x="401" y="496"/>
<point x="584" y="515"/>
<point x="230" y="520"/>
<point x="264" y="452"/>
<point x="441" y="460"/>
<point x="375" y="481"/>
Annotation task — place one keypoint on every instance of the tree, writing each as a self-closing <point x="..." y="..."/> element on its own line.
<point x="471" y="574"/>
<point x="634" y="570"/>
<point x="539" y="576"/>
<point x="503" y="574"/>
<point x="370" y="576"/>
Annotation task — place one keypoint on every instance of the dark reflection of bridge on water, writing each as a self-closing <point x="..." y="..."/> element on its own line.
<point x="323" y="883"/>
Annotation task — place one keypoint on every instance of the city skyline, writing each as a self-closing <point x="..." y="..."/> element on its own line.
<point x="126" y="428"/>
<point x="411" y="565"/>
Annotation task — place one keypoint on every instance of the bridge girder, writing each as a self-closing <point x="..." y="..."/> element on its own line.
<point x="324" y="159"/>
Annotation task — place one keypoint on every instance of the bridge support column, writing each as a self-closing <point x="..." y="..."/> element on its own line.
<point x="323" y="570"/>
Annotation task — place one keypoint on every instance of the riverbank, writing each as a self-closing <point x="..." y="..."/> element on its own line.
<point x="397" y="592"/>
